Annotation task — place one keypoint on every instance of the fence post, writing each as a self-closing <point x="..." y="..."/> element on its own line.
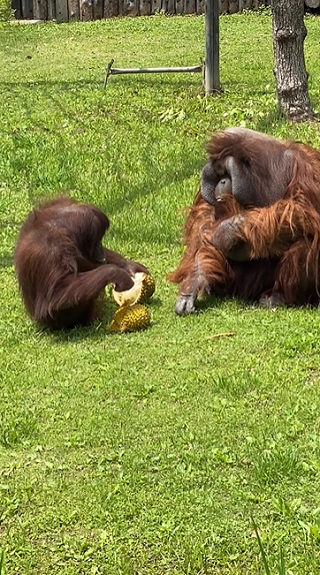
<point x="211" y="74"/>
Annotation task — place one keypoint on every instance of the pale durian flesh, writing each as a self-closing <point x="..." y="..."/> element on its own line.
<point x="142" y="290"/>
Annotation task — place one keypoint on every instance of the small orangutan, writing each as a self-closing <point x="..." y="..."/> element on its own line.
<point x="254" y="228"/>
<point x="62" y="266"/>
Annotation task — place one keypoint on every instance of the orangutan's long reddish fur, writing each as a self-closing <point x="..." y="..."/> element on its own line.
<point x="283" y="239"/>
<point x="202" y="262"/>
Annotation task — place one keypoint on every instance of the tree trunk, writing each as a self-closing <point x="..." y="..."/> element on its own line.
<point x="312" y="3"/>
<point x="289" y="33"/>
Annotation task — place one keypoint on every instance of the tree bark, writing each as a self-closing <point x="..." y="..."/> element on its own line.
<point x="312" y="3"/>
<point x="289" y="33"/>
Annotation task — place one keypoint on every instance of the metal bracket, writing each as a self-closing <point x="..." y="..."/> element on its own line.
<point x="115" y="71"/>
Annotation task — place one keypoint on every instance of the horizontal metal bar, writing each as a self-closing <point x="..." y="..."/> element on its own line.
<point x="115" y="71"/>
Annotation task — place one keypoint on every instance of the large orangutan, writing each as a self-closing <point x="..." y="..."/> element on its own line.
<point x="62" y="267"/>
<point x="254" y="228"/>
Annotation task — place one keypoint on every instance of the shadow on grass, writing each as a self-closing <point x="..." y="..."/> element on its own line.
<point x="141" y="80"/>
<point x="272" y="118"/>
<point x="94" y="332"/>
<point x="216" y="302"/>
<point x="6" y="261"/>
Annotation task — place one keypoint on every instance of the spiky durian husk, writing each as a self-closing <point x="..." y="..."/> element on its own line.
<point x="141" y="292"/>
<point x="147" y="290"/>
<point x="131" y="318"/>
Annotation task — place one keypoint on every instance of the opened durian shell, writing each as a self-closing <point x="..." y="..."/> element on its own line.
<point x="141" y="291"/>
<point x="130" y="318"/>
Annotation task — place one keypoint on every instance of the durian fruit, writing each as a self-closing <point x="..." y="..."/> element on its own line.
<point x="130" y="318"/>
<point x="141" y="291"/>
<point x="147" y="289"/>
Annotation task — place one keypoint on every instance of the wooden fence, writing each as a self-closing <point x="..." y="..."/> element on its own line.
<point x="66" y="10"/>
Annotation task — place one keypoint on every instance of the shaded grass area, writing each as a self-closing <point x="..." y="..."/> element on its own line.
<point x="148" y="452"/>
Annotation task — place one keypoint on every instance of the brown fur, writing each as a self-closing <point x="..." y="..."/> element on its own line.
<point x="61" y="266"/>
<point x="283" y="240"/>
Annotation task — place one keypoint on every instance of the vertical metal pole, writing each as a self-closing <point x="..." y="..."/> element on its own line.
<point x="211" y="73"/>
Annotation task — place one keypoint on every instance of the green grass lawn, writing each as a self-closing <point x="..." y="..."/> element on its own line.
<point x="149" y="453"/>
